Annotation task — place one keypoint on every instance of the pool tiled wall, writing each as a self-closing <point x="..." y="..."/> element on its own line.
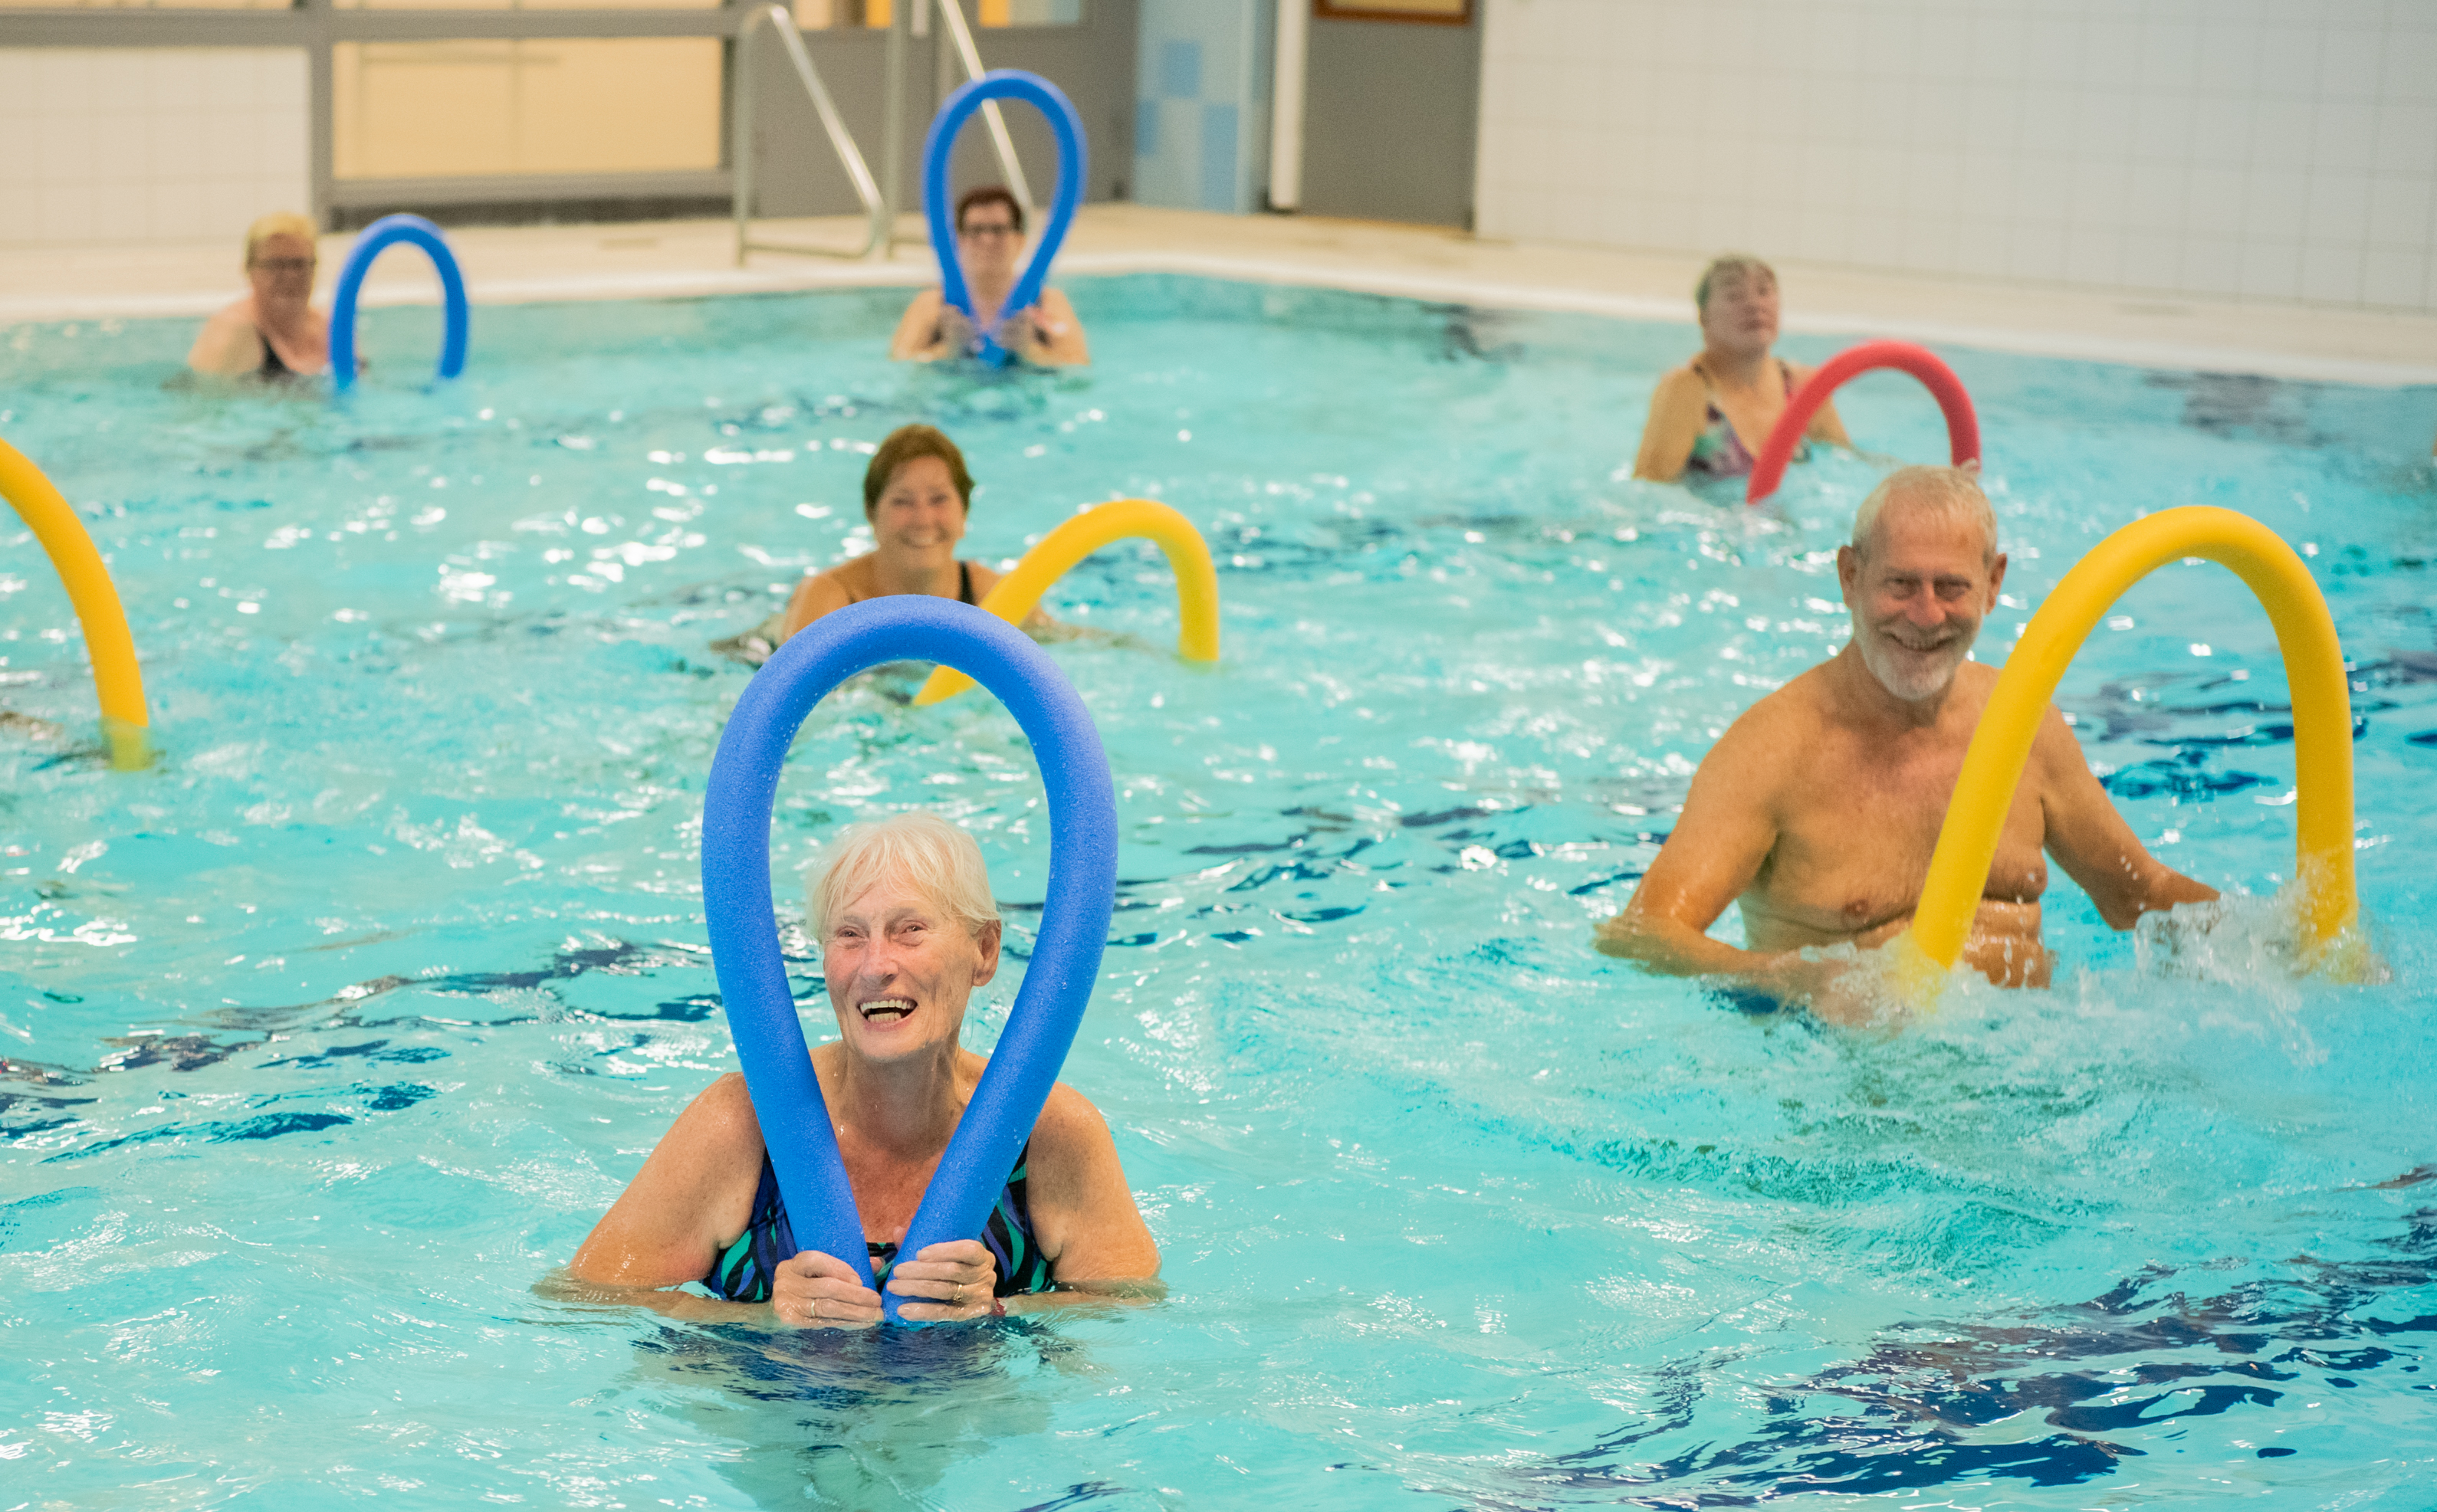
<point x="2251" y="148"/>
<point x="1202" y="114"/>
<point x="149" y="143"/>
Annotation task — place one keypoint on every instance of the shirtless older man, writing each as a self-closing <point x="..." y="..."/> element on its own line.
<point x="1820" y="807"/>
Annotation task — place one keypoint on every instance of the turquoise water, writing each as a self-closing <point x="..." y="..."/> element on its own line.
<point x="326" y="1039"/>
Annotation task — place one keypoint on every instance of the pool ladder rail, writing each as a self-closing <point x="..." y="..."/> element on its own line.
<point x="879" y="208"/>
<point x="125" y="722"/>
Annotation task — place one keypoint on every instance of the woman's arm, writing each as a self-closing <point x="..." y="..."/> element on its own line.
<point x="813" y="597"/>
<point x="695" y="1189"/>
<point x="1678" y="408"/>
<point x="229" y="347"/>
<point x="917" y="332"/>
<point x="1082" y="1212"/>
<point x="1058" y="334"/>
<point x="1826" y="424"/>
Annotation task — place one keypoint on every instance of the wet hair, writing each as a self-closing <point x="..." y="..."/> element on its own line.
<point x="1950" y="493"/>
<point x="935" y="857"/>
<point x="1727" y="264"/>
<point x="990" y="194"/>
<point x="278" y="223"/>
<point x="904" y="444"/>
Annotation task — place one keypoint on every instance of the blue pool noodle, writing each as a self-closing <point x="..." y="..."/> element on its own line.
<point x="1081" y="895"/>
<point x="381" y="234"/>
<point x="1002" y="83"/>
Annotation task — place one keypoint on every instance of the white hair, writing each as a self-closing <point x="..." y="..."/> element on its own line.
<point x="1951" y="493"/>
<point x="932" y="855"/>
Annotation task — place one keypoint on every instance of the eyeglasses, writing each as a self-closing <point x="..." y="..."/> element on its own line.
<point x="284" y="265"/>
<point x="985" y="230"/>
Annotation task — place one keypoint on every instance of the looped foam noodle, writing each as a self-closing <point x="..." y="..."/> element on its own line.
<point x="1993" y="765"/>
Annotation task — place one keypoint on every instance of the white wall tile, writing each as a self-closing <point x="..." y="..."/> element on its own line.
<point x="2255" y="149"/>
<point x="2331" y="272"/>
<point x="2395" y="278"/>
<point x="2339" y="207"/>
<point x="2274" y="204"/>
<point x="2212" y="267"/>
<point x="2348" y="63"/>
<point x="2408" y="62"/>
<point x="2271" y="269"/>
<point x="2152" y="260"/>
<point x="2037" y="253"/>
<point x="121" y="144"/>
<point x="2280" y="131"/>
<point x="2406" y="139"/>
<point x="2398" y="211"/>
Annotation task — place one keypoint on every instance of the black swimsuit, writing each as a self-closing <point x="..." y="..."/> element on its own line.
<point x="742" y="1271"/>
<point x="964" y="585"/>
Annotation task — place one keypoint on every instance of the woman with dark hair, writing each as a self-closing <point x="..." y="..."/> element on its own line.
<point x="990" y="247"/>
<point x="1713" y="415"/>
<point x="917" y="496"/>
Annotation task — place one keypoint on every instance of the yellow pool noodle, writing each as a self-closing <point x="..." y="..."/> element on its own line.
<point x="1993" y="765"/>
<point x="1196" y="581"/>
<point x="106" y="637"/>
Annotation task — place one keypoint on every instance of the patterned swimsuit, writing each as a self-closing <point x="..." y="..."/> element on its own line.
<point x="1719" y="452"/>
<point x="742" y="1273"/>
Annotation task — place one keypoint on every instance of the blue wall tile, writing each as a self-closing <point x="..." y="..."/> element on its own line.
<point x="1180" y="70"/>
<point x="1145" y="127"/>
<point x="1219" y="156"/>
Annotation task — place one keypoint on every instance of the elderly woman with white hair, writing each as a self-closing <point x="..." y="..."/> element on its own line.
<point x="908" y="930"/>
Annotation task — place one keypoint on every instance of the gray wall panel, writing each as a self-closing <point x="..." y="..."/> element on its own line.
<point x="1390" y="113"/>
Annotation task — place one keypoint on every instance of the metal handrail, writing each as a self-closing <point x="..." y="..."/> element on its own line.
<point x="971" y="59"/>
<point x="850" y="156"/>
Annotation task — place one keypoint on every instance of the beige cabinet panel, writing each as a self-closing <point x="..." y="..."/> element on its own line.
<point x="430" y="109"/>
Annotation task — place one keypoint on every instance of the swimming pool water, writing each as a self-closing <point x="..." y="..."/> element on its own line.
<point x="328" y="1037"/>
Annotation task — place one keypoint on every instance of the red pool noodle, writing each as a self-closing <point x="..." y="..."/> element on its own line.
<point x="1962" y="426"/>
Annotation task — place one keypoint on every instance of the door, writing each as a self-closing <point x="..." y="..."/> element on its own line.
<point x="1089" y="57"/>
<point x="1392" y="98"/>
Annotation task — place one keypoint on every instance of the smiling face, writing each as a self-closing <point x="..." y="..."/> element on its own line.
<point x="901" y="967"/>
<point x="1741" y="312"/>
<point x="920" y="510"/>
<point x="1917" y="591"/>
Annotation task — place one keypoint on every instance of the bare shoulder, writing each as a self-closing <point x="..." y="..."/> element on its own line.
<point x="1068" y="1139"/>
<point x="1070" y="1121"/>
<point x="228" y="342"/>
<point x="721" y="1117"/>
<point x="1055" y="305"/>
<point x="1680" y="381"/>
<point x="1780" y="728"/>
<point x="926" y="301"/>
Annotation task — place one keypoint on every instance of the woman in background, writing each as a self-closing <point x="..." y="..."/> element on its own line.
<point x="990" y="247"/>
<point x="917" y="497"/>
<point x="1713" y="415"/>
<point x="274" y="332"/>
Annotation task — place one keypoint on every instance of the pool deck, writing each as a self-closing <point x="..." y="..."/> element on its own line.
<point x="680" y="258"/>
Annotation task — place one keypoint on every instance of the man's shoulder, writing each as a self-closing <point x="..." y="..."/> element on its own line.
<point x="1773" y="737"/>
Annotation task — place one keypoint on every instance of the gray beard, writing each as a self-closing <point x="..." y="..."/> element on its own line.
<point x="1912" y="687"/>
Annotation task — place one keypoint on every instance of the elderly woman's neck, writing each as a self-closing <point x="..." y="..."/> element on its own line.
<point x="909" y="1106"/>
